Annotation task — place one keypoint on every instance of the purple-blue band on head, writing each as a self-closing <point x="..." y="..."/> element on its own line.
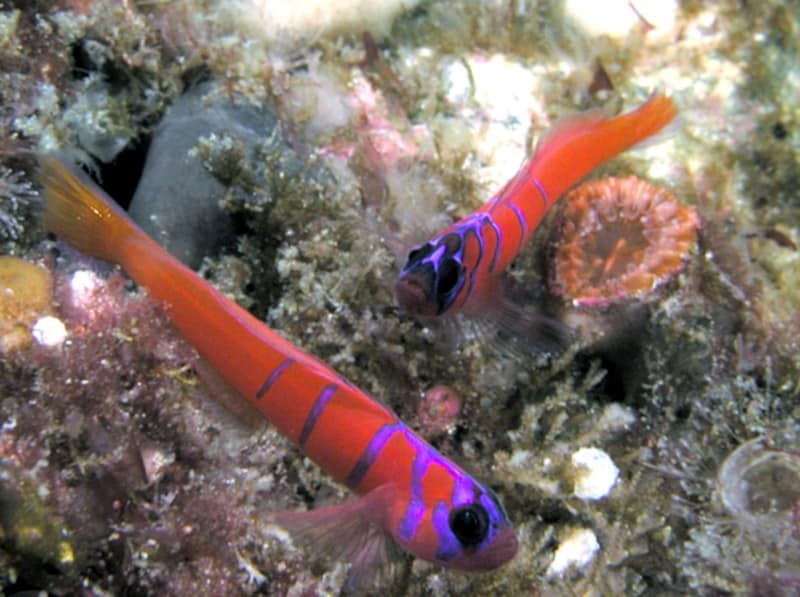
<point x="463" y="492"/>
<point x="371" y="453"/>
<point x="489" y="502"/>
<point x="422" y="459"/>
<point x="542" y="192"/>
<point x="498" y="235"/>
<point x="273" y="377"/>
<point x="494" y="510"/>
<point x="415" y="512"/>
<point x="470" y="226"/>
<point x="497" y="506"/>
<point x="449" y="546"/>
<point x="319" y="405"/>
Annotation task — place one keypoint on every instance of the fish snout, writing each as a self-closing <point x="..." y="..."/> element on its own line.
<point x="412" y="291"/>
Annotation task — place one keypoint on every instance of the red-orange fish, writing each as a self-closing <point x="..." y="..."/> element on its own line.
<point x="410" y="494"/>
<point x="459" y="269"/>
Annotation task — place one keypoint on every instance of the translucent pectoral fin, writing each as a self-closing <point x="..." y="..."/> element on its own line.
<point x="528" y="330"/>
<point x="353" y="531"/>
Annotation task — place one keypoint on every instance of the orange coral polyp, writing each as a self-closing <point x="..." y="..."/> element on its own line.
<point x="620" y="238"/>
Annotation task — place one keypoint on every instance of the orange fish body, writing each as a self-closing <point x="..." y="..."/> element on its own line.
<point x="458" y="269"/>
<point x="411" y="493"/>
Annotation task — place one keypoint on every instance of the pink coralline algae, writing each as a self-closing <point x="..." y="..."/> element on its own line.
<point x="620" y="239"/>
<point x="438" y="411"/>
<point x="390" y="143"/>
<point x="91" y="302"/>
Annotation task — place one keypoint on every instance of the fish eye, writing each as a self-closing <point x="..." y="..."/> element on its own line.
<point x="449" y="273"/>
<point x="470" y="524"/>
<point x="418" y="254"/>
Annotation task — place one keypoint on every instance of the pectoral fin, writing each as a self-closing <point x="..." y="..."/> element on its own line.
<point x="353" y="531"/>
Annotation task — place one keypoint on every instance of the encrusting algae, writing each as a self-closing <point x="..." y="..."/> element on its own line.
<point x="26" y="294"/>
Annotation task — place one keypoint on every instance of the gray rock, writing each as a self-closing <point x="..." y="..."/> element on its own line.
<point x="177" y="200"/>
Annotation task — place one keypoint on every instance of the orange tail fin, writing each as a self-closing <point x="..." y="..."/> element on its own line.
<point x="650" y="118"/>
<point x="81" y="214"/>
<point x="620" y="132"/>
<point x="578" y="144"/>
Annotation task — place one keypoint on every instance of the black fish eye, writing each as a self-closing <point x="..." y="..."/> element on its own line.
<point x="449" y="273"/>
<point x="470" y="524"/>
<point x="418" y="254"/>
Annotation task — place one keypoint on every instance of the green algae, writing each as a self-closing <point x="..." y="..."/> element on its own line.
<point x="31" y="529"/>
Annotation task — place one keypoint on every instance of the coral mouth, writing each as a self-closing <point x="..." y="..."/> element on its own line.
<point x="620" y="239"/>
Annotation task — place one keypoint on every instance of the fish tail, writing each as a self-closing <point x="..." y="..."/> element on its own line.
<point x="650" y="118"/>
<point x="81" y="214"/>
<point x="577" y="144"/>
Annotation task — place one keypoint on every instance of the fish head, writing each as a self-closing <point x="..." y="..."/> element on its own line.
<point x="475" y="535"/>
<point x="432" y="277"/>
<point x="455" y="522"/>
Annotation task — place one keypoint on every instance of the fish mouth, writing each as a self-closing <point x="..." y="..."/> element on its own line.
<point x="502" y="548"/>
<point x="412" y="291"/>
